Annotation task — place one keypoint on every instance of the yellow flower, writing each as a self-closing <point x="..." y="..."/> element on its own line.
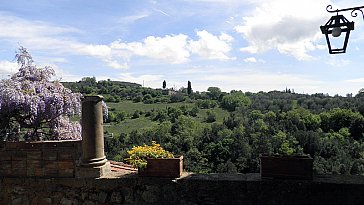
<point x="138" y="155"/>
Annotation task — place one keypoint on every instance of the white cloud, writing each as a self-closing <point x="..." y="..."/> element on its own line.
<point x="357" y="80"/>
<point x="101" y="51"/>
<point x="171" y="49"/>
<point x="210" y="46"/>
<point x="115" y="64"/>
<point x="176" y="49"/>
<point x="257" y="81"/>
<point x="38" y="35"/>
<point x="8" y="68"/>
<point x="162" y="12"/>
<point x="34" y="34"/>
<point x="60" y="74"/>
<point x="132" y="18"/>
<point x="17" y="28"/>
<point x="147" y="80"/>
<point x="291" y="27"/>
<point x="335" y="62"/>
<point x="250" y="60"/>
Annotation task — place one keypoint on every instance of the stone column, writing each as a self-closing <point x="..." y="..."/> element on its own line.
<point x="93" y="162"/>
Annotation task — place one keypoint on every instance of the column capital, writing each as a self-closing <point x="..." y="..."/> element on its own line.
<point x="95" y="98"/>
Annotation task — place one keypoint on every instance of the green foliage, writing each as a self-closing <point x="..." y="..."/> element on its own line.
<point x="206" y="104"/>
<point x="214" y="93"/>
<point x="116" y="117"/>
<point x="338" y="118"/>
<point x="136" y="114"/>
<point x="178" y="97"/>
<point x="211" y="116"/>
<point x="284" y="144"/>
<point x="330" y="129"/>
<point x="234" y="100"/>
<point x="304" y="119"/>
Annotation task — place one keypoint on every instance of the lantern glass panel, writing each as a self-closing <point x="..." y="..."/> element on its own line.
<point x="337" y="42"/>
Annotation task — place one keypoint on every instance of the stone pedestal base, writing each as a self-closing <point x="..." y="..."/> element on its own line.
<point x="93" y="172"/>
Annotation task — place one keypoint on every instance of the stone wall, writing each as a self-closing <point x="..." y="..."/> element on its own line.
<point x="190" y="189"/>
<point x="39" y="159"/>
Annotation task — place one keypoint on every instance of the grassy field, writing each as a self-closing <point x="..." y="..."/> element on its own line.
<point x="128" y="125"/>
<point x="129" y="107"/>
<point x="220" y="114"/>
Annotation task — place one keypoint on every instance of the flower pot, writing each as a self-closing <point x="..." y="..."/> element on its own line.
<point x="284" y="166"/>
<point x="163" y="168"/>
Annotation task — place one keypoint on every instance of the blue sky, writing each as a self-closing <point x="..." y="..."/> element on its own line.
<point x="248" y="45"/>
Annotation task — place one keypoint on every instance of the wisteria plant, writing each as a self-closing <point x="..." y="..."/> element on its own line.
<point x="33" y="108"/>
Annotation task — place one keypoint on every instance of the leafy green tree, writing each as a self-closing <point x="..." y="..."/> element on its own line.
<point x="178" y="97"/>
<point x="309" y="140"/>
<point x="304" y="119"/>
<point x="174" y="113"/>
<point x="206" y="104"/>
<point x="285" y="144"/>
<point x="120" y="116"/>
<point x="214" y="93"/>
<point x="211" y="116"/>
<point x="137" y="98"/>
<point x="338" y="118"/>
<point x="329" y="128"/>
<point x="194" y="111"/>
<point x="89" y="80"/>
<point x="136" y="114"/>
<point x="187" y="133"/>
<point x="234" y="100"/>
<point x="148" y="99"/>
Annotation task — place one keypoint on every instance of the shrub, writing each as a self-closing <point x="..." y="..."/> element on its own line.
<point x="211" y="116"/>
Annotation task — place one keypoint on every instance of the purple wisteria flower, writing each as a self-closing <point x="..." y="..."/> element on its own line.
<point x="34" y="108"/>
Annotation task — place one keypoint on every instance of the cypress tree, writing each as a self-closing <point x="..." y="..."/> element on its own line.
<point x="189" y="88"/>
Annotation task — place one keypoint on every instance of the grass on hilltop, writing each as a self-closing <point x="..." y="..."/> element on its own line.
<point x="128" y="125"/>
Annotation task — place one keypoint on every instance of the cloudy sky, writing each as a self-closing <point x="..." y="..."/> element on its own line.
<point x="248" y="45"/>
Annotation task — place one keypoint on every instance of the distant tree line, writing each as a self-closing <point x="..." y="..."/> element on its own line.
<point x="329" y="128"/>
<point x="115" y="91"/>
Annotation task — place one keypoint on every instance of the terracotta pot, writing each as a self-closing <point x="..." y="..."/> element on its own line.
<point x="163" y="168"/>
<point x="285" y="166"/>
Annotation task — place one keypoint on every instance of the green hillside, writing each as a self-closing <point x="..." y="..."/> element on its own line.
<point x="217" y="131"/>
<point x="142" y="122"/>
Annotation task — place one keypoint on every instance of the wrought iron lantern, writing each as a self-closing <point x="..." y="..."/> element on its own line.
<point x="338" y="26"/>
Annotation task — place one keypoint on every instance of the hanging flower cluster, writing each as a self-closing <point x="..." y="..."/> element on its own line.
<point x="33" y="108"/>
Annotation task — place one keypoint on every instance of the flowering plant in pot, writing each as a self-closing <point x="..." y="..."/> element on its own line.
<point x="153" y="160"/>
<point x="287" y="159"/>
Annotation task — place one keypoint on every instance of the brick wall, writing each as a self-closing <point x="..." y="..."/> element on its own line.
<point x="55" y="159"/>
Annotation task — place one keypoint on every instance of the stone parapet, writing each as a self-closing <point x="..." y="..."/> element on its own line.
<point x="55" y="159"/>
<point x="190" y="189"/>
